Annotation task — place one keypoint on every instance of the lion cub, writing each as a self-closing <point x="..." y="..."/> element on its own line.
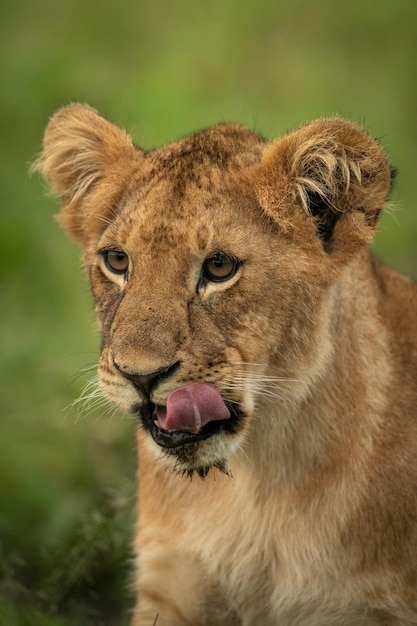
<point x="264" y="349"/>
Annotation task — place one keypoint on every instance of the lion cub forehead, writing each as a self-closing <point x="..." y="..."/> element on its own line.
<point x="161" y="220"/>
<point x="189" y="192"/>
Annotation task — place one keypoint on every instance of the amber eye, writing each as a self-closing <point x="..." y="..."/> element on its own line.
<point x="220" y="267"/>
<point x="116" y="261"/>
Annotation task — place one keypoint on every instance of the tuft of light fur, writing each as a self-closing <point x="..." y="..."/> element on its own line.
<point x="322" y="166"/>
<point x="78" y="146"/>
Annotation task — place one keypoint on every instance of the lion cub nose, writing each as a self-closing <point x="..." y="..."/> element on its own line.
<point x="146" y="382"/>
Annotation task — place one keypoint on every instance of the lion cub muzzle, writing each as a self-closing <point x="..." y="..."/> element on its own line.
<point x="192" y="412"/>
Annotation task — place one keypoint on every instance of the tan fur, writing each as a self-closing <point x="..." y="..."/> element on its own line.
<point x="307" y="515"/>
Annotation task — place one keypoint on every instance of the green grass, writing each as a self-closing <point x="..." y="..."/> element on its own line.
<point x="159" y="69"/>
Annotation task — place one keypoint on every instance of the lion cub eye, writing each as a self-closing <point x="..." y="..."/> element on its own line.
<point x="220" y="267"/>
<point x="116" y="261"/>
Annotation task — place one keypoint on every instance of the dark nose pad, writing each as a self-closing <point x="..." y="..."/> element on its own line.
<point x="146" y="382"/>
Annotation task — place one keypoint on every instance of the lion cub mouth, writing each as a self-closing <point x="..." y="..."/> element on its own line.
<point x="192" y="413"/>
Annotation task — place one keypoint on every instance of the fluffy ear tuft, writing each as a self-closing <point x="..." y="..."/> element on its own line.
<point x="335" y="172"/>
<point x="82" y="150"/>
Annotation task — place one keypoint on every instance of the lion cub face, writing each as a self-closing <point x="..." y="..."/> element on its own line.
<point x="210" y="261"/>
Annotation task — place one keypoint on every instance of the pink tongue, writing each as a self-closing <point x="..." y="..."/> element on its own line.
<point x="192" y="407"/>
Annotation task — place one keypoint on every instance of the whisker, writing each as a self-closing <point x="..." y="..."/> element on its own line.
<point x="83" y="371"/>
<point x="267" y="385"/>
<point x="264" y="386"/>
<point x="246" y="375"/>
<point x="91" y="399"/>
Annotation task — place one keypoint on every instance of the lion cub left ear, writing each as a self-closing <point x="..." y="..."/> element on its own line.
<point x="336" y="174"/>
<point x="88" y="161"/>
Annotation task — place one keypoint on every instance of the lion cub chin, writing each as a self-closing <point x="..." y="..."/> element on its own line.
<point x="270" y="359"/>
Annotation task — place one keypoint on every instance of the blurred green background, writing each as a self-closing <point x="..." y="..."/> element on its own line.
<point x="159" y="69"/>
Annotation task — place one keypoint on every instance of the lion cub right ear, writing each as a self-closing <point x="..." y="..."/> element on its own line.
<point x="87" y="161"/>
<point x="327" y="181"/>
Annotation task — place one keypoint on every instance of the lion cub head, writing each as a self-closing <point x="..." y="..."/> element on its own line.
<point x="210" y="261"/>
